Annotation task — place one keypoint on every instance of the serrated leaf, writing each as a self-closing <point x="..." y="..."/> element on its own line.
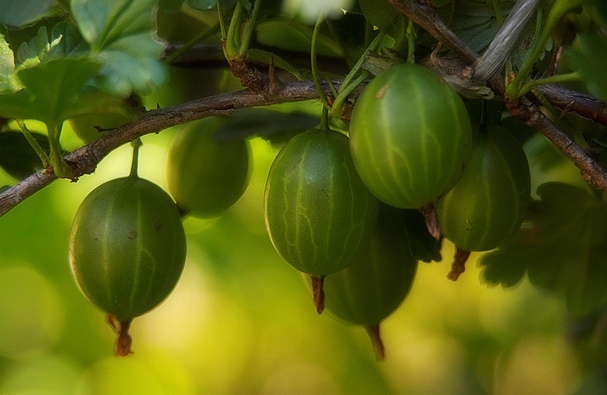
<point x="475" y="22"/>
<point x="64" y="40"/>
<point x="22" y="12"/>
<point x="7" y="61"/>
<point x="67" y="40"/>
<point x="506" y="268"/>
<point x="563" y="250"/>
<point x="122" y="35"/>
<point x="36" y="49"/>
<point x="588" y="56"/>
<point x="51" y="91"/>
<point x="17" y="157"/>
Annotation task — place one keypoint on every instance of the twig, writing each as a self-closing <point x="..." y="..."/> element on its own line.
<point x="84" y="160"/>
<point x="575" y="102"/>
<point x="594" y="174"/>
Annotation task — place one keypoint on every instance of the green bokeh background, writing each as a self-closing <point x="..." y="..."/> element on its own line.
<point x="241" y="320"/>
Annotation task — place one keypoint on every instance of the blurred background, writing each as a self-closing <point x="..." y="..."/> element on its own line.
<point x="241" y="320"/>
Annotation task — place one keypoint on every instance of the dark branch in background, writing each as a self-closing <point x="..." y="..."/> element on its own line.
<point x="84" y="160"/>
<point x="571" y="101"/>
<point x="594" y="174"/>
<point x="211" y="56"/>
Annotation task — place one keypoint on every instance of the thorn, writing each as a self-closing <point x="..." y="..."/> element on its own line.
<point x="274" y="84"/>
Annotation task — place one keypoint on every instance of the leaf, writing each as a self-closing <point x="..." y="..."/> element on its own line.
<point x="423" y="246"/>
<point x="22" y="12"/>
<point x="205" y="5"/>
<point x="474" y="21"/>
<point x="563" y="248"/>
<point x="36" y="49"/>
<point x="7" y="61"/>
<point x="122" y="36"/>
<point x="387" y="18"/>
<point x="17" y="157"/>
<point x="64" y="41"/>
<point x="51" y="90"/>
<point x="588" y="56"/>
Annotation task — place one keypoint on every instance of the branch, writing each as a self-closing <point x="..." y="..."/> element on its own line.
<point x="84" y="160"/>
<point x="595" y="175"/>
<point x="210" y="56"/>
<point x="571" y="101"/>
<point x="426" y="17"/>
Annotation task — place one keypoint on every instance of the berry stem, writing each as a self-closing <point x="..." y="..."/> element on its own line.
<point x="134" y="164"/>
<point x="124" y="341"/>
<point x="318" y="293"/>
<point x="34" y="144"/>
<point x="459" y="264"/>
<point x="378" y="344"/>
<point x="314" y="63"/>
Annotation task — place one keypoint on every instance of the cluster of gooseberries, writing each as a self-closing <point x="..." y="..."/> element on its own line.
<point x="339" y="207"/>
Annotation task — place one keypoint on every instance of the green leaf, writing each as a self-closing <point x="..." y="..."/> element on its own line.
<point x="51" y="91"/>
<point x="423" y="246"/>
<point x="386" y="18"/>
<point x="36" y="49"/>
<point x="205" y="5"/>
<point x="65" y="40"/>
<point x="290" y="35"/>
<point x="474" y="21"/>
<point x="22" y="12"/>
<point x="562" y="248"/>
<point x="7" y="61"/>
<point x="588" y="56"/>
<point x="122" y="36"/>
<point x="17" y="157"/>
